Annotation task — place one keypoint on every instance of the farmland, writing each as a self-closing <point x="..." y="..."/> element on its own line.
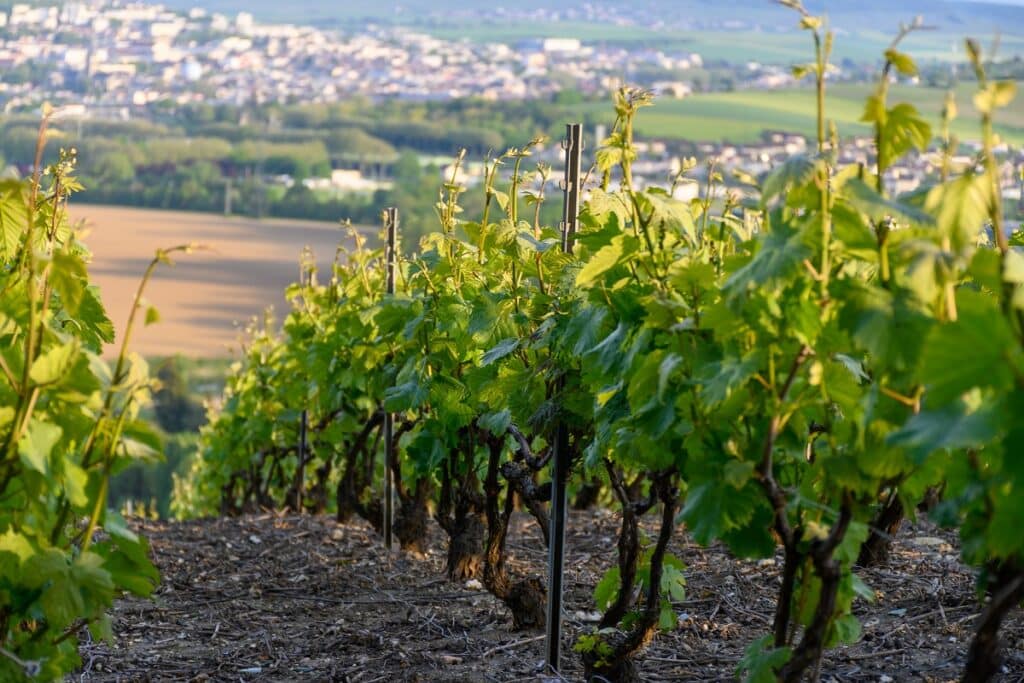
<point x="774" y="47"/>
<point x="741" y="117"/>
<point x="732" y="32"/>
<point x="206" y="295"/>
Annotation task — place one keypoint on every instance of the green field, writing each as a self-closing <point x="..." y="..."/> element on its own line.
<point x="741" y="117"/>
<point x="783" y="47"/>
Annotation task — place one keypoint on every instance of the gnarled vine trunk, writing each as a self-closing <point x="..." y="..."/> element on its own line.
<point x="884" y="526"/>
<point x="616" y="661"/>
<point x="587" y="494"/>
<point x="525" y="598"/>
<point x="807" y="654"/>
<point x="412" y="516"/>
<point x="983" y="658"/>
<point x="353" y="480"/>
<point x="465" y="543"/>
<point x="460" y="512"/>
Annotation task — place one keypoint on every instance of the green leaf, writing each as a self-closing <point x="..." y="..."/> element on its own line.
<point x="496" y="423"/>
<point x="960" y="208"/>
<point x="755" y="538"/>
<point x="667" y="617"/>
<point x="846" y="630"/>
<point x="15" y="549"/>
<point x="810" y="23"/>
<point x="502" y="349"/>
<point x="606" y="258"/>
<point x="101" y="629"/>
<point x="501" y="197"/>
<point x="97" y="329"/>
<point x="855" y="367"/>
<point x="737" y="473"/>
<point x="1004" y="535"/>
<point x="405" y="396"/>
<point x="90" y="577"/>
<point x="665" y="369"/>
<point x="37" y="444"/>
<point x="673" y="581"/>
<point x="584" y="329"/>
<point x="780" y="253"/>
<point x="152" y="316"/>
<point x="141" y="440"/>
<point x="75" y="482"/>
<point x="721" y="378"/>
<point x="117" y="527"/>
<point x="607" y="589"/>
<point x="426" y="452"/>
<point x="795" y="171"/>
<point x="1004" y="93"/>
<point x="861" y="589"/>
<point x="13" y="218"/>
<point x="883" y="325"/>
<point x="902" y="61"/>
<point x="971" y="352"/>
<point x="671" y="213"/>
<point x="874" y="109"/>
<point x="995" y="95"/>
<point x="712" y="508"/>
<point x="69" y="279"/>
<point x="52" y="365"/>
<point x="131" y="570"/>
<point x="761" y="661"/>
<point x="950" y="426"/>
<point x="904" y="129"/>
<point x="868" y="201"/>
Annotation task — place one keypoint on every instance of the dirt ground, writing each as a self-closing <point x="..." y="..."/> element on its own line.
<point x="207" y="295"/>
<point x="272" y="598"/>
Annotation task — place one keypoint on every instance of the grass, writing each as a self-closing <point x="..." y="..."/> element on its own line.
<point x="741" y="117"/>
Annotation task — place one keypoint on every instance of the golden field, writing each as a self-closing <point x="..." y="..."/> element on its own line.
<point x="207" y="296"/>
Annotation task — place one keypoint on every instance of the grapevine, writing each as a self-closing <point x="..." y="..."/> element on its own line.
<point x="68" y="421"/>
<point x="788" y="372"/>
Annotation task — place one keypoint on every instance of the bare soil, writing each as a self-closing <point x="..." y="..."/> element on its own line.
<point x="287" y="598"/>
<point x="207" y="296"/>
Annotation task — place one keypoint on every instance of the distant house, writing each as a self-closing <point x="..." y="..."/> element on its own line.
<point x="561" y="45"/>
<point x="674" y="89"/>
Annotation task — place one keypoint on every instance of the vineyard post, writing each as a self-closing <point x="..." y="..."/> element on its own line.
<point x="391" y="225"/>
<point x="573" y="145"/>
<point x="303" y="448"/>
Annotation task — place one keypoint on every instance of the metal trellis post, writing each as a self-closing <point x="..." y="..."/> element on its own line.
<point x="391" y="223"/>
<point x="303" y="445"/>
<point x="573" y="145"/>
<point x="303" y="449"/>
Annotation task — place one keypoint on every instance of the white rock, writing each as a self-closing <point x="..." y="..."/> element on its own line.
<point x="927" y="541"/>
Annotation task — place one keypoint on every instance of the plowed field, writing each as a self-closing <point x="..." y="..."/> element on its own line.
<point x="207" y="295"/>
